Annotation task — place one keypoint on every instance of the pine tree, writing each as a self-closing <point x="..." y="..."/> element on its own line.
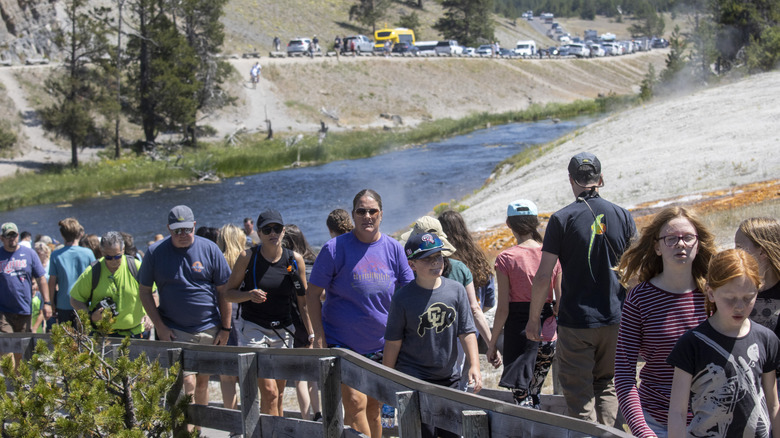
<point x="77" y="90"/>
<point x="78" y="388"/>
<point x="467" y="21"/>
<point x="369" y="12"/>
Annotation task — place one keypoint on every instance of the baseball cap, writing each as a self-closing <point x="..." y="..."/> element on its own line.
<point x="9" y="227"/>
<point x="522" y="207"/>
<point x="584" y="159"/>
<point x="428" y="224"/>
<point x="422" y="245"/>
<point x="181" y="217"/>
<point x="269" y="217"/>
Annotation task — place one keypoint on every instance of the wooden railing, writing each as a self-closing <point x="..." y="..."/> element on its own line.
<point x="416" y="401"/>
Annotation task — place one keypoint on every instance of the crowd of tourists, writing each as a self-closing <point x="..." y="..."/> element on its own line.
<point x="592" y="293"/>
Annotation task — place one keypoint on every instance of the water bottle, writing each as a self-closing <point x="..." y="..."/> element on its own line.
<point x="388" y="416"/>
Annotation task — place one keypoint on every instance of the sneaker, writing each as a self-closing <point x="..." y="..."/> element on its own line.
<point x="317" y="416"/>
<point x="527" y="402"/>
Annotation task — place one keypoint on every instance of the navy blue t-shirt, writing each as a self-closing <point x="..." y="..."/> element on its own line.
<point x="588" y="245"/>
<point x="186" y="280"/>
<point x="17" y="270"/>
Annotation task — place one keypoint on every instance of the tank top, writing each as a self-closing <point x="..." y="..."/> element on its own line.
<point x="274" y="280"/>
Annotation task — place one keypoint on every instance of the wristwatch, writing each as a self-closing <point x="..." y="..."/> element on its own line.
<point x="47" y="303"/>
<point x="226" y="329"/>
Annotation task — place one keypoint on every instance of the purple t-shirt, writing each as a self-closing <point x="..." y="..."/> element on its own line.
<point x="187" y="280"/>
<point x="359" y="280"/>
<point x="17" y="269"/>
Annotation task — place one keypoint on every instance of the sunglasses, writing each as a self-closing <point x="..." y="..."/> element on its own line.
<point x="183" y="231"/>
<point x="276" y="228"/>
<point x="363" y="211"/>
<point x="10" y="235"/>
<point x="115" y="257"/>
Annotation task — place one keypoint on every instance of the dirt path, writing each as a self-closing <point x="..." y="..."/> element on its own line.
<point x="37" y="149"/>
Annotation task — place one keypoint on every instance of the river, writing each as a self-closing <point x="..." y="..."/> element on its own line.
<point x="411" y="182"/>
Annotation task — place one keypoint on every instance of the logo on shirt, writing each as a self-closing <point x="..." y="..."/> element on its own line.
<point x="197" y="267"/>
<point x="597" y="228"/>
<point x="11" y="266"/>
<point x="438" y="316"/>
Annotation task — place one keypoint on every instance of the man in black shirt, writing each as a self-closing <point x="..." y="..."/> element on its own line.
<point x="588" y="236"/>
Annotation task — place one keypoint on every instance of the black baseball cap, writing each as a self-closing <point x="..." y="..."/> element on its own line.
<point x="269" y="217"/>
<point x="420" y="246"/>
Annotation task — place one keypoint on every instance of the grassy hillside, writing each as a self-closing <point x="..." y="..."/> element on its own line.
<point x="252" y="24"/>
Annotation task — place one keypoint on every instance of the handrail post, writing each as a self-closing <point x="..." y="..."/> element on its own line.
<point x="330" y="388"/>
<point x="475" y="424"/>
<point x="176" y="355"/>
<point x="409" y="422"/>
<point x="250" y="401"/>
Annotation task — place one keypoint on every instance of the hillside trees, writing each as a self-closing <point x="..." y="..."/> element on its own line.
<point x="467" y="21"/>
<point x="76" y="90"/>
<point x="369" y="12"/>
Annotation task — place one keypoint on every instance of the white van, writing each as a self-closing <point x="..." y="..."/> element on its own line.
<point x="525" y="48"/>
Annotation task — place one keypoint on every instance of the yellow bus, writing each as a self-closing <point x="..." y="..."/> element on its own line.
<point x="397" y="35"/>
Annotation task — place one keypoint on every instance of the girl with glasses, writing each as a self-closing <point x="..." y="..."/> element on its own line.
<point x="670" y="262"/>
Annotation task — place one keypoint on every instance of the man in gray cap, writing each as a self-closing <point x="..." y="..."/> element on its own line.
<point x="588" y="237"/>
<point x="191" y="275"/>
<point x="19" y="265"/>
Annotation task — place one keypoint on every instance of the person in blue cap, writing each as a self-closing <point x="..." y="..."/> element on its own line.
<point x="427" y="319"/>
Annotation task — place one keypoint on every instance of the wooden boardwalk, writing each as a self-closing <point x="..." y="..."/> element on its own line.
<point x="470" y="415"/>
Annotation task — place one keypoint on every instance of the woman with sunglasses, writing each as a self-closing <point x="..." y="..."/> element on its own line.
<point x="670" y="261"/>
<point x="360" y="270"/>
<point x="264" y="281"/>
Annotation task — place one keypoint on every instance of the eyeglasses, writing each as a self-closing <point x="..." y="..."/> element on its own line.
<point x="10" y="236"/>
<point x="363" y="211"/>
<point x="276" y="228"/>
<point x="115" y="257"/>
<point x="672" y="240"/>
<point x="180" y="231"/>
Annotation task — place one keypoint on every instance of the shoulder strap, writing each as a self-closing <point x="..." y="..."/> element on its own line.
<point x="95" y="278"/>
<point x="132" y="267"/>
<point x="292" y="271"/>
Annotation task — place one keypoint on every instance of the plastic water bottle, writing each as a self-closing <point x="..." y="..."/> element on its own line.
<point x="388" y="416"/>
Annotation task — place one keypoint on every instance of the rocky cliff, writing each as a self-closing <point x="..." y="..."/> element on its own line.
<point x="27" y="29"/>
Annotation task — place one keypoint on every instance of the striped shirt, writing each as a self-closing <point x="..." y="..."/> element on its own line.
<point x="652" y="322"/>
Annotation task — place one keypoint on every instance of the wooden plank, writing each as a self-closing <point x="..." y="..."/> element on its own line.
<point x="214" y="417"/>
<point x="475" y="424"/>
<point x="408" y="414"/>
<point x="250" y="398"/>
<point x="330" y="390"/>
<point x="288" y="367"/>
<point x="175" y="393"/>
<point x="280" y="427"/>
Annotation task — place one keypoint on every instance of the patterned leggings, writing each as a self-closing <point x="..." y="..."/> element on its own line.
<point x="544" y="358"/>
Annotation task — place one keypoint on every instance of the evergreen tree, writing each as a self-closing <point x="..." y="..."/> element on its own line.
<point x="77" y="90"/>
<point x="163" y="70"/>
<point x="205" y="34"/>
<point x="411" y="21"/>
<point x="369" y="12"/>
<point x="675" y="61"/>
<point x="79" y="388"/>
<point x="467" y="21"/>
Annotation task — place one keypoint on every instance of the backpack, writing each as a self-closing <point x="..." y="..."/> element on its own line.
<point x="96" y="268"/>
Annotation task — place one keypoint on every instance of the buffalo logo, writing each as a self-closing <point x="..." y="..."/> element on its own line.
<point x="197" y="267"/>
<point x="438" y="316"/>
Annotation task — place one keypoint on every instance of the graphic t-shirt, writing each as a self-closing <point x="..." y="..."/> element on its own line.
<point x="727" y="398"/>
<point x="187" y="280"/>
<point x="428" y="322"/>
<point x="767" y="307"/>
<point x="359" y="280"/>
<point x="17" y="271"/>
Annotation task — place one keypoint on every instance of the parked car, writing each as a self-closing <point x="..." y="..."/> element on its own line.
<point x="505" y="53"/>
<point x="613" y="49"/>
<point x="427" y="48"/>
<point x="485" y="50"/>
<point x="358" y="43"/>
<point x="525" y="48"/>
<point x="552" y="51"/>
<point x="448" y="47"/>
<point x="469" y="51"/>
<point x="579" y="50"/>
<point x="659" y="43"/>
<point x="298" y="45"/>
<point x="564" y="50"/>
<point x="596" y="50"/>
<point x="405" y="48"/>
